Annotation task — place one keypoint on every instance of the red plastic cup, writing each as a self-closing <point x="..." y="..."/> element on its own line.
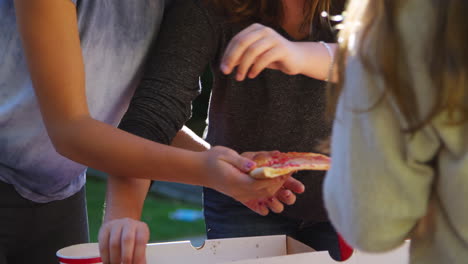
<point x="80" y="254"/>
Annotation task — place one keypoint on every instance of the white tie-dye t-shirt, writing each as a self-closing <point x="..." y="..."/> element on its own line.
<point x="115" y="37"/>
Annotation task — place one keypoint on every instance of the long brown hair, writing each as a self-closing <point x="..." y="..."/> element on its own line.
<point x="271" y="12"/>
<point x="447" y="57"/>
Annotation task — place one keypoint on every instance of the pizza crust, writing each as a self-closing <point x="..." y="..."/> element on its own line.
<point x="268" y="171"/>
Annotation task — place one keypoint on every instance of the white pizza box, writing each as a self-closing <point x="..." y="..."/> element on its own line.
<point x="247" y="250"/>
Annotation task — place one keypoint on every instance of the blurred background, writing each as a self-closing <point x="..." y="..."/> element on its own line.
<point x="172" y="211"/>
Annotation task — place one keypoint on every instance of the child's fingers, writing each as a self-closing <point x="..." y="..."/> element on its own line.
<point x="243" y="164"/>
<point x="227" y="155"/>
<point x="249" y="154"/>
<point x="262" y="155"/>
<point x="263" y="61"/>
<point x="123" y="241"/>
<point x="128" y="243"/>
<point x="294" y="185"/>
<point x="114" y="244"/>
<point x="251" y="54"/>
<point x="268" y="187"/>
<point x="275" y="205"/>
<point x="286" y="197"/>
<point x="141" y="239"/>
<point x="103" y="237"/>
<point x="233" y="42"/>
<point x="256" y="155"/>
<point x="258" y="206"/>
<point x="259" y="154"/>
<point x="238" y="45"/>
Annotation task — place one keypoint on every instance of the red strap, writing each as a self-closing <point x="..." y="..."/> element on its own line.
<point x="80" y="261"/>
<point x="346" y="250"/>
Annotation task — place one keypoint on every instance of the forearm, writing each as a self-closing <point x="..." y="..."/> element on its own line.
<point x="187" y="139"/>
<point x="116" y="152"/>
<point x="125" y="197"/>
<point x="317" y="60"/>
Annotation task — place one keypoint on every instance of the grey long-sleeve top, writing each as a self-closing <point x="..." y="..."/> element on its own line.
<point x="274" y="111"/>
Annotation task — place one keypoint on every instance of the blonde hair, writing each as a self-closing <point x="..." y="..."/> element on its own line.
<point x="447" y="57"/>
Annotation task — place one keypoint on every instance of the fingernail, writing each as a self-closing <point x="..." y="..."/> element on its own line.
<point x="249" y="165"/>
<point x="288" y="194"/>
<point x="270" y="200"/>
<point x="224" y="68"/>
<point x="239" y="77"/>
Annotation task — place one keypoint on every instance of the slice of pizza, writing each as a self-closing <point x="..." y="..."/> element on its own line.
<point x="284" y="163"/>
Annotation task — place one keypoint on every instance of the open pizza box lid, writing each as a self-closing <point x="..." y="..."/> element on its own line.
<point x="266" y="249"/>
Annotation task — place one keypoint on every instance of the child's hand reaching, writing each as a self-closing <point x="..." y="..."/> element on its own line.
<point x="258" y="47"/>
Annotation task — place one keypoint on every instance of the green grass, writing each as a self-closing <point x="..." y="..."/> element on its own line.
<point x="155" y="214"/>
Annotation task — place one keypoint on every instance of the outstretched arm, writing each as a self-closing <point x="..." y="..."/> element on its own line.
<point x="51" y="42"/>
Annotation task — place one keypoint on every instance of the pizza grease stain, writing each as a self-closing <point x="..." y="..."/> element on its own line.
<point x="214" y="247"/>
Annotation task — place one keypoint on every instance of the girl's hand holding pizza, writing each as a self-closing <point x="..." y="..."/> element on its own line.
<point x="258" y="47"/>
<point x="285" y="195"/>
<point x="227" y="172"/>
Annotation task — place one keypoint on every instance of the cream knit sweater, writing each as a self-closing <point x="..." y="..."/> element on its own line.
<point x="386" y="186"/>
